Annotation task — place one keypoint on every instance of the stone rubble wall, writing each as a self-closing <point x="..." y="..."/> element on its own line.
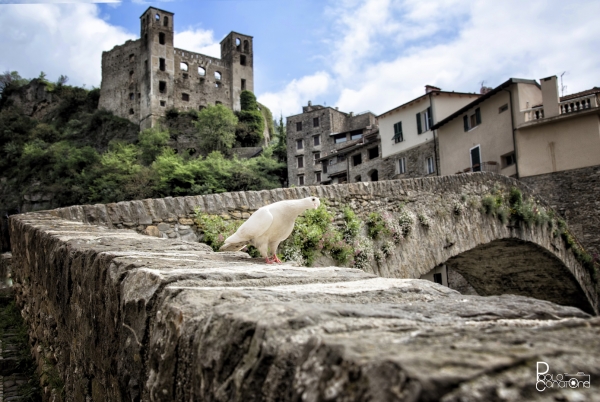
<point x="575" y="194"/>
<point x="126" y="317"/>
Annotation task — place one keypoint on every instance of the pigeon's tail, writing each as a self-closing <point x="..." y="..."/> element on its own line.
<point x="232" y="246"/>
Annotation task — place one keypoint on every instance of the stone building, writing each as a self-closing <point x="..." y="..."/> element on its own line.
<point x="143" y="78"/>
<point x="408" y="139"/>
<point x="317" y="132"/>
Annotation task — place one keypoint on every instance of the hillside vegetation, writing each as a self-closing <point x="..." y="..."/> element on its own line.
<point x="57" y="149"/>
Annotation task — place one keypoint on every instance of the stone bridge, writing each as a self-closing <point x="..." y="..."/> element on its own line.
<point x="494" y="257"/>
<point x="116" y="315"/>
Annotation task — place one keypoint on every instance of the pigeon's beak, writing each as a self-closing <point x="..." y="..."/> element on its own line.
<point x="316" y="204"/>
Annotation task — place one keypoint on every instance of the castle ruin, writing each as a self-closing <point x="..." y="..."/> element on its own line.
<point x="143" y="78"/>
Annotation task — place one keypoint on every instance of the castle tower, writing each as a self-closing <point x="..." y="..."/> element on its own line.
<point x="157" y="65"/>
<point x="238" y="53"/>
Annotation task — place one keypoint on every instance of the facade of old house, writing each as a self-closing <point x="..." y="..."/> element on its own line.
<point x="407" y="139"/>
<point x="141" y="79"/>
<point x="317" y="132"/>
<point x="479" y="136"/>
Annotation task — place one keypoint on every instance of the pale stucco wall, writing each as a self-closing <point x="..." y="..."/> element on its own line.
<point x="563" y="143"/>
<point x="493" y="135"/>
<point x="444" y="104"/>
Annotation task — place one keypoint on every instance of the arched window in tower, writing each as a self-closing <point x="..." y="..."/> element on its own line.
<point x="246" y="46"/>
<point x="157" y="17"/>
<point x="166" y="22"/>
<point x="243" y="60"/>
<point x="238" y="44"/>
<point x="183" y="66"/>
<point x="201" y="71"/>
<point x="161" y="38"/>
<point x="217" y="75"/>
<point x="131" y="76"/>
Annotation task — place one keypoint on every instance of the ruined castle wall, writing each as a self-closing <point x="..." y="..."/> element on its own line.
<point x="121" y="91"/>
<point x="202" y="90"/>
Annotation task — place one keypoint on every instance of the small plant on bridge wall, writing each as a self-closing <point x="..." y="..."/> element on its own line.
<point x="387" y="248"/>
<point x="376" y="225"/>
<point x="352" y="224"/>
<point x="424" y="220"/>
<point x="457" y="208"/>
<point x="215" y="228"/>
<point x="405" y="220"/>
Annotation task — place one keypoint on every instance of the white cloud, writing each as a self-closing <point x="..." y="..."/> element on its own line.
<point x="198" y="40"/>
<point x="383" y="52"/>
<point x="289" y="100"/>
<point x="58" y="38"/>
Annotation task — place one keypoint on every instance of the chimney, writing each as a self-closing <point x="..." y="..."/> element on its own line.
<point x="309" y="103"/>
<point x="431" y="88"/>
<point x="550" y="96"/>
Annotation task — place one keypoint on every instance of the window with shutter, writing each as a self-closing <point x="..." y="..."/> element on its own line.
<point x="466" y="122"/>
<point x="429" y="118"/>
<point x="419" y="130"/>
<point x="477" y="116"/>
<point x="398" y="133"/>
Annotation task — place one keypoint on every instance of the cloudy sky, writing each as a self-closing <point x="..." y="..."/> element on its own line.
<point x="355" y="54"/>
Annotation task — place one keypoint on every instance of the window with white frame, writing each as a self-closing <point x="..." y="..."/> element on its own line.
<point x="401" y="165"/>
<point x="301" y="180"/>
<point x="317" y="140"/>
<point x="300" y="162"/>
<point x="471" y="120"/>
<point x="424" y="120"/>
<point x="318" y="177"/>
<point x="430" y="166"/>
<point x="317" y="156"/>
<point x="299" y="144"/>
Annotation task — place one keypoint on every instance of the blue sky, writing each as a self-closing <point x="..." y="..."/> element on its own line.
<point x="356" y="54"/>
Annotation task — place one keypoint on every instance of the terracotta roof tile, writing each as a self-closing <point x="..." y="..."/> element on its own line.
<point x="580" y="94"/>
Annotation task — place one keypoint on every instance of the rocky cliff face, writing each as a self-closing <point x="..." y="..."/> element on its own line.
<point x="121" y="317"/>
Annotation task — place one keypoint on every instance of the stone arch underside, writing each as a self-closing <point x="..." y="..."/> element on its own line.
<point x="515" y="266"/>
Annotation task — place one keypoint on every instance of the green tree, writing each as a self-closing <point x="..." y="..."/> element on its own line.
<point x="11" y="79"/>
<point x="216" y="129"/>
<point x="152" y="142"/>
<point x="251" y="125"/>
<point x="280" y="152"/>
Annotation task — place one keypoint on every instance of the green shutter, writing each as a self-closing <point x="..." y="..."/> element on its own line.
<point x="419" y="130"/>
<point x="478" y="116"/>
<point x="398" y="132"/>
<point x="466" y="122"/>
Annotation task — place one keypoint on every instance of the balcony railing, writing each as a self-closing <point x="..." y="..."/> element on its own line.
<point x="482" y="167"/>
<point x="565" y="107"/>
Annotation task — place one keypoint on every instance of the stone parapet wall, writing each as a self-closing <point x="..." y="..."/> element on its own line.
<point x="575" y="194"/>
<point x="365" y="197"/>
<point x="125" y="317"/>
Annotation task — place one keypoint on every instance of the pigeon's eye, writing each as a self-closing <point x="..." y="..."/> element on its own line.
<point x="313" y="199"/>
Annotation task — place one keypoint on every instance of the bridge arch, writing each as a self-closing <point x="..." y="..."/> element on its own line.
<point x="496" y="256"/>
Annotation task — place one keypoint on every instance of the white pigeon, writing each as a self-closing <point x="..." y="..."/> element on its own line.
<point x="269" y="226"/>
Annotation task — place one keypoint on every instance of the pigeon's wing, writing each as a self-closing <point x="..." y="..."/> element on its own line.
<point x="257" y="225"/>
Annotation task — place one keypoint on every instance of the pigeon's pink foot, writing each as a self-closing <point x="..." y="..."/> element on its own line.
<point x="268" y="261"/>
<point x="275" y="259"/>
